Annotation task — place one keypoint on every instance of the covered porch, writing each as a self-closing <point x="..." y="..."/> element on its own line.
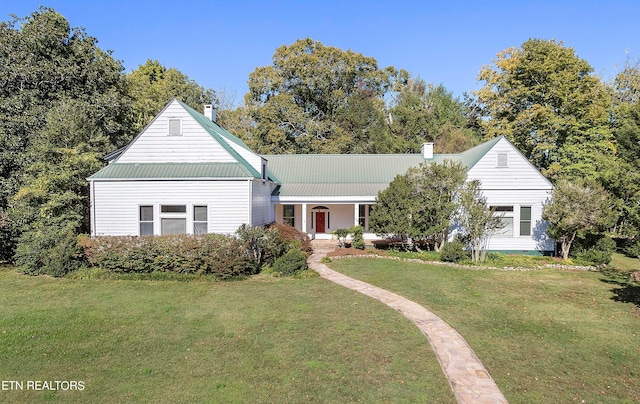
<point x="319" y="219"/>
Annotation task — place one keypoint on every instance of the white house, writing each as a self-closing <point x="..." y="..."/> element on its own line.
<point x="185" y="174"/>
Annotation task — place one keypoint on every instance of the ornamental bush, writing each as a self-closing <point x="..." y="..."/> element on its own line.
<point x="453" y="252"/>
<point x="596" y="249"/>
<point x="290" y="263"/>
<point x="216" y="254"/>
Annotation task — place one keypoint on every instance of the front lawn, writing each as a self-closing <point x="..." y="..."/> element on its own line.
<point x="259" y="340"/>
<point x="545" y="335"/>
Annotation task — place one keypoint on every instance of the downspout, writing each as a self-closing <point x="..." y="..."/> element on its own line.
<point x="92" y="208"/>
<point x="250" y="213"/>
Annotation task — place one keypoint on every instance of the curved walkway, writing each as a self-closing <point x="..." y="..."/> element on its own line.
<point x="467" y="376"/>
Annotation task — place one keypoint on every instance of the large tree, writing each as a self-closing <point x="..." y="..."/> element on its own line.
<point x="422" y="113"/>
<point x="548" y="102"/>
<point x="61" y="103"/>
<point x="318" y="99"/>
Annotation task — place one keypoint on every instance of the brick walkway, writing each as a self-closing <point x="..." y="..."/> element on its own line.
<point x="467" y="376"/>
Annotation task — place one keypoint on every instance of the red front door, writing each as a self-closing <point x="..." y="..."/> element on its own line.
<point x="320" y="222"/>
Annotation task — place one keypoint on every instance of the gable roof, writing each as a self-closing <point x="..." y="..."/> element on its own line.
<point x="242" y="168"/>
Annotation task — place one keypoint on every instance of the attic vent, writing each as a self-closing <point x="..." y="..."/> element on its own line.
<point x="502" y="160"/>
<point x="175" y="127"/>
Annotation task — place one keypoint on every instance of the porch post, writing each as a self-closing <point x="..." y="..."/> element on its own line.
<point x="304" y="217"/>
<point x="356" y="213"/>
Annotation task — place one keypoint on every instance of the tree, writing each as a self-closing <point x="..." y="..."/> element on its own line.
<point x="315" y="98"/>
<point x="576" y="209"/>
<point x="393" y="211"/>
<point x="420" y="204"/>
<point x="152" y="85"/>
<point x="61" y="103"/>
<point x="549" y="103"/>
<point x="426" y="113"/>
<point x="435" y="189"/>
<point x="477" y="221"/>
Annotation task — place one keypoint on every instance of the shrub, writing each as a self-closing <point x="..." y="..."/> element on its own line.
<point x="293" y="237"/>
<point x="47" y="250"/>
<point x="633" y="250"/>
<point x="290" y="263"/>
<point x="216" y="254"/>
<point x="453" y="252"/>
<point x="342" y="235"/>
<point x="358" y="240"/>
<point x="596" y="249"/>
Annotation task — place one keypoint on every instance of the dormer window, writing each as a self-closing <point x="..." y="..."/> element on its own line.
<point x="175" y="127"/>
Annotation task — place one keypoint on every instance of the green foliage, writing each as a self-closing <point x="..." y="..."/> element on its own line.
<point x="292" y="262"/>
<point x="419" y="204"/>
<point x="49" y="251"/>
<point x="152" y="85"/>
<point x="61" y="103"/>
<point x="216" y="254"/>
<point x="453" y="252"/>
<point x="357" y="239"/>
<point x="633" y="250"/>
<point x="319" y="99"/>
<point x="597" y="249"/>
<point x="576" y="208"/>
<point x="426" y="113"/>
<point x="342" y="235"/>
<point x="549" y="103"/>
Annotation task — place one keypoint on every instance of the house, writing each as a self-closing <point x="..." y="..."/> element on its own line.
<point x="184" y="174"/>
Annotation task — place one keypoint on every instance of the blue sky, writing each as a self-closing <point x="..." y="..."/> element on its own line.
<point x="218" y="43"/>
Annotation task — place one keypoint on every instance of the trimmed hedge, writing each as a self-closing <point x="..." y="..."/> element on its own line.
<point x="220" y="255"/>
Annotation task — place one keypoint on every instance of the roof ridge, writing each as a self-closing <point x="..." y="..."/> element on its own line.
<point x="211" y="128"/>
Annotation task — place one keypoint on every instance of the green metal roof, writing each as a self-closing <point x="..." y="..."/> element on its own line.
<point x="137" y="171"/>
<point x="353" y="174"/>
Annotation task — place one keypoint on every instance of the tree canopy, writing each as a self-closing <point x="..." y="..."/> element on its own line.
<point x="548" y="102"/>
<point x="152" y="85"/>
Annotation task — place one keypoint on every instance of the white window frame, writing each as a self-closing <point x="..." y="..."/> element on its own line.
<point x="206" y="222"/>
<point x="285" y="218"/>
<point x="524" y="221"/>
<point x="507" y="217"/>
<point x="140" y="221"/>
<point x="174" y="215"/>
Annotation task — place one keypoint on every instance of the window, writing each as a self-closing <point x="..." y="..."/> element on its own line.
<point x="501" y="160"/>
<point x="173" y="209"/>
<point x="175" y="127"/>
<point x="506" y="217"/>
<point x="173" y="226"/>
<point x="173" y="219"/>
<point x="200" y="220"/>
<point x="364" y="211"/>
<point x="146" y="220"/>
<point x="525" y="220"/>
<point x="288" y="214"/>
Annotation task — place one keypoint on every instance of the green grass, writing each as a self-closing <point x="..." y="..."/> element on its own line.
<point x="625" y="263"/>
<point x="258" y="340"/>
<point x="544" y="335"/>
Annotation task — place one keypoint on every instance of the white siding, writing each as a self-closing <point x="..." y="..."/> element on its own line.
<point x="155" y="145"/>
<point x="262" y="209"/>
<point x="519" y="173"/>
<point x="538" y="240"/>
<point x="253" y="159"/>
<point x="116" y="204"/>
